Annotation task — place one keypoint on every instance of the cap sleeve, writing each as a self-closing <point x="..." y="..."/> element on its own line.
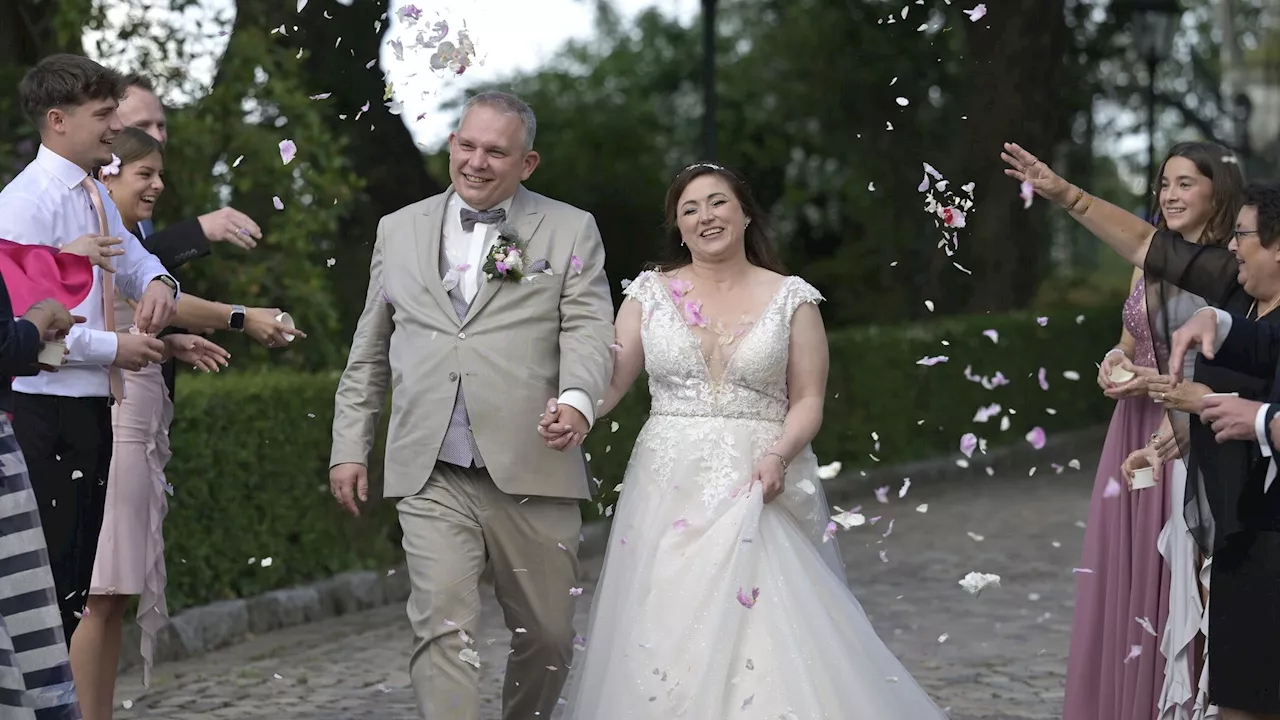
<point x="799" y="292"/>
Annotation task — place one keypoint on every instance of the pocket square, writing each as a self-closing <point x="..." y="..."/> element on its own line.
<point x="540" y="266"/>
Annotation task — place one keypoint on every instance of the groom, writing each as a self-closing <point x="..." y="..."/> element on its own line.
<point x="472" y="363"/>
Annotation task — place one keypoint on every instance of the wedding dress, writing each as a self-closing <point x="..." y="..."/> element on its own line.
<point x="714" y="606"/>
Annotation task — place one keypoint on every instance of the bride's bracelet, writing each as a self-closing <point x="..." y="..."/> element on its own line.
<point x="780" y="459"/>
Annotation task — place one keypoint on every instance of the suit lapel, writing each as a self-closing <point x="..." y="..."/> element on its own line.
<point x="428" y="227"/>
<point x="526" y="217"/>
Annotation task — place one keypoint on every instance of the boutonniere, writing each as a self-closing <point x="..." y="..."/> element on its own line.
<point x="506" y="259"/>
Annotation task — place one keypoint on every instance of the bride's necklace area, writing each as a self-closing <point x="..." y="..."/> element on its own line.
<point x="725" y="335"/>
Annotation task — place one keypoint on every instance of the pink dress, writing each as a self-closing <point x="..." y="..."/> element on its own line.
<point x="1116" y="670"/>
<point x="130" y="559"/>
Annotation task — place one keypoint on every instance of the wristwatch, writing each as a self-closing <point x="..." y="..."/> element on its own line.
<point x="236" y="321"/>
<point x="168" y="280"/>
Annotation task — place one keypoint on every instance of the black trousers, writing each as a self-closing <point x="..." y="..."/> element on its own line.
<point x="67" y="445"/>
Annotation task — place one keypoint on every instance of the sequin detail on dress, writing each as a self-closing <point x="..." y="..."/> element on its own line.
<point x="1135" y="321"/>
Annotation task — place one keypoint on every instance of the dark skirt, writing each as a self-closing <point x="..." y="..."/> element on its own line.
<point x="1244" y="623"/>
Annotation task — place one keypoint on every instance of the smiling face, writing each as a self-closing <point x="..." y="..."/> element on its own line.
<point x="137" y="187"/>
<point x="487" y="157"/>
<point x="1186" y="198"/>
<point x="142" y="109"/>
<point x="711" y="220"/>
<point x="83" y="133"/>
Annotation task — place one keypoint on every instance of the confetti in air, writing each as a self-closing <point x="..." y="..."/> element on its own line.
<point x="287" y="151"/>
<point x="948" y="208"/>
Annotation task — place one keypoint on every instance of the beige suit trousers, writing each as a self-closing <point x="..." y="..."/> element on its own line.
<point x="455" y="526"/>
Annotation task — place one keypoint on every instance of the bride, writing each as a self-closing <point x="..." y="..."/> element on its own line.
<point x="723" y="595"/>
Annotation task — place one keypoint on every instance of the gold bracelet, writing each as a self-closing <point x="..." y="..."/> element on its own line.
<point x="1079" y="194"/>
<point x="1088" y="204"/>
<point x="780" y="459"/>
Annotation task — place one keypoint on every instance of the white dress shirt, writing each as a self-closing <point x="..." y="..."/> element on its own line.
<point x="468" y="250"/>
<point x="46" y="205"/>
<point x="1259" y="420"/>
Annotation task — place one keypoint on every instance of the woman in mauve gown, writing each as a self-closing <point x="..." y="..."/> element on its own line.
<point x="1138" y="604"/>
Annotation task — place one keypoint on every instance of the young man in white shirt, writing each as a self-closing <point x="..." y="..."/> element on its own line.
<point x="62" y="420"/>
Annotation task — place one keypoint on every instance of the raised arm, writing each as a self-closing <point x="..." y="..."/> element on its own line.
<point x="1126" y="233"/>
<point x="628" y="354"/>
<point x="178" y="244"/>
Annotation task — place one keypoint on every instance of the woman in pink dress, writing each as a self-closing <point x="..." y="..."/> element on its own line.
<point x="1117" y="666"/>
<point x="130" y="557"/>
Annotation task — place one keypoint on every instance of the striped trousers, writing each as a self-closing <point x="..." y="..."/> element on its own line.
<point x="35" y="675"/>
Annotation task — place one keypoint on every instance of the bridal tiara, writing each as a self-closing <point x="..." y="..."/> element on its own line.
<point x="713" y="166"/>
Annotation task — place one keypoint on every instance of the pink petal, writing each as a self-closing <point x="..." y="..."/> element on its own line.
<point x="977" y="13"/>
<point x="287" y="151"/>
<point x="1112" y="489"/>
<point x="277" y="202"/>
<point x="995" y="336"/>
<point x="680" y="524"/>
<point x="748" y="601"/>
<point x="576" y="264"/>
<point x="882" y="494"/>
<point x="931" y="361"/>
<point x="1036" y="437"/>
<point x="968" y="443"/>
<point x="1044" y="380"/>
<point x="1042" y="321"/>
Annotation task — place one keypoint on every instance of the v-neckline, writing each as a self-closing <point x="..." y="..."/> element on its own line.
<point x="697" y="344"/>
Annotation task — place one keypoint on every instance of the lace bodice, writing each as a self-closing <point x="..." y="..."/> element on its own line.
<point x="753" y="384"/>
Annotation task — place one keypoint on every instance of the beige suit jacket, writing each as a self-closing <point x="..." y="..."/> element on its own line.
<point x="520" y="345"/>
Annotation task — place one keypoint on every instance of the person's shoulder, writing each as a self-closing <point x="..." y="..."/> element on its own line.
<point x="556" y="208"/>
<point x="416" y="208"/>
<point x="797" y="290"/>
<point x="29" y="186"/>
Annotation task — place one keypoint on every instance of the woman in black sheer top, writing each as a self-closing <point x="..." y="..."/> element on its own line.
<point x="1225" y="507"/>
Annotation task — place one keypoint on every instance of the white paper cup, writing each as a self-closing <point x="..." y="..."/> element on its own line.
<point x="286" y="319"/>
<point x="1143" y="478"/>
<point x="1120" y="375"/>
<point x="53" y="353"/>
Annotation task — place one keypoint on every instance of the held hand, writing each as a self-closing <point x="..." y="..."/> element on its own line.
<point x="135" y="351"/>
<point x="1146" y="457"/>
<point x="98" y="248"/>
<point x="155" y="308"/>
<point x="1183" y="396"/>
<point x="562" y="426"/>
<point x="347" y="482"/>
<point x="1198" y="333"/>
<point x="196" y="351"/>
<point x="52" y="319"/>
<point x="1025" y="167"/>
<point x="261" y="325"/>
<point x="231" y="226"/>
<point x="1109" y="364"/>
<point x="1136" y="387"/>
<point x="1230" y="418"/>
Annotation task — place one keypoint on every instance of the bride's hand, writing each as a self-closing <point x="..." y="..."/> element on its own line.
<point x="768" y="472"/>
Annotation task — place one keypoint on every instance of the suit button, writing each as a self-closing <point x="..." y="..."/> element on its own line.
<point x="453" y="376"/>
<point x="462" y="336"/>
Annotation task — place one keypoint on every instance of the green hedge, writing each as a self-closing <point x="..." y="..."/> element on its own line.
<point x="251" y="449"/>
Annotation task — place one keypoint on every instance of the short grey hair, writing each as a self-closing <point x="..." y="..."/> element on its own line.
<point x="507" y="105"/>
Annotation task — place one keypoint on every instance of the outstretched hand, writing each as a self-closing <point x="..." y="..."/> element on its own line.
<point x="1025" y="167"/>
<point x="562" y="426"/>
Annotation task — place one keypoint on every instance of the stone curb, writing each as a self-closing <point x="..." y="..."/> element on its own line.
<point x="209" y="627"/>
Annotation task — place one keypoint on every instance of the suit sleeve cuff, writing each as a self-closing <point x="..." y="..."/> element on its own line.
<point x="1260" y="429"/>
<point x="1268" y="414"/>
<point x="1224" y="328"/>
<point x="579" y="400"/>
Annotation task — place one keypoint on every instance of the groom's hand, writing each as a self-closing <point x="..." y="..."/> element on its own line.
<point x="347" y="481"/>
<point x="562" y="426"/>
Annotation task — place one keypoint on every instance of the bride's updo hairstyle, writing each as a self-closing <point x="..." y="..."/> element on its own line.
<point x="758" y="235"/>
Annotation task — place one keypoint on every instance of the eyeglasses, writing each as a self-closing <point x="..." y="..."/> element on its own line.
<point x="1241" y="233"/>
